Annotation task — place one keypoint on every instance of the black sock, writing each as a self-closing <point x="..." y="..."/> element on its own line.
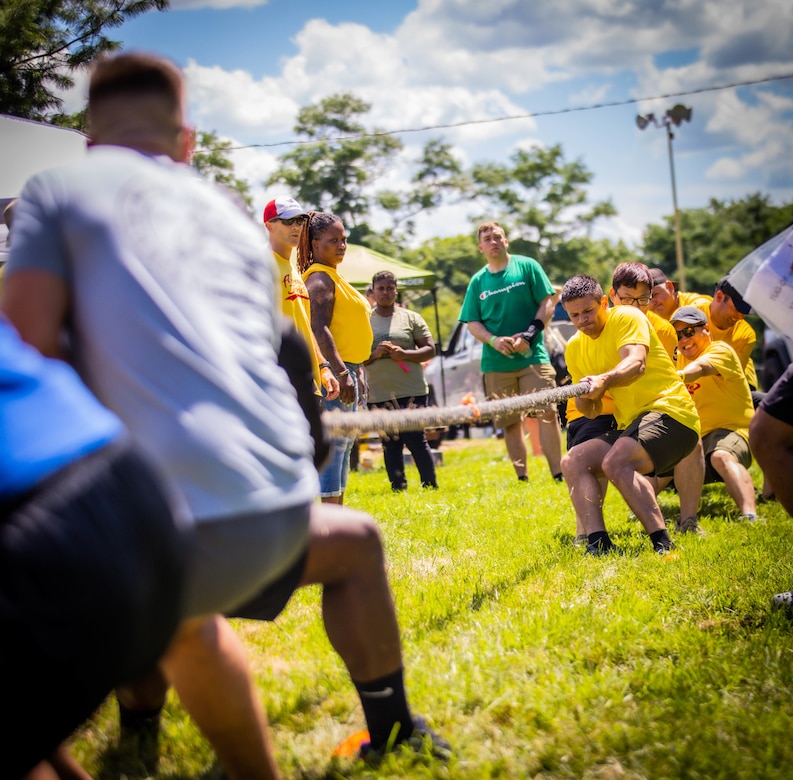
<point x="385" y="704"/>
<point x="661" y="537"/>
<point x="558" y="477"/>
<point x="523" y="478"/>
<point x="600" y="538"/>
<point x="137" y="719"/>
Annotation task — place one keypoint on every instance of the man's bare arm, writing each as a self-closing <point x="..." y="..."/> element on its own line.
<point x="37" y="304"/>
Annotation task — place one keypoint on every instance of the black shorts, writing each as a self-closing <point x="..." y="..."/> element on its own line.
<point x="778" y="401"/>
<point x="91" y="573"/>
<point x="585" y="428"/>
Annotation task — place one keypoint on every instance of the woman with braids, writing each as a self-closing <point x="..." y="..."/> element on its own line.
<point x="340" y="321"/>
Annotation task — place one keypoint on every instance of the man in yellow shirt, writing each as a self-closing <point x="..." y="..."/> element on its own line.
<point x="717" y="383"/>
<point x="726" y="322"/>
<point x="616" y="350"/>
<point x="284" y="219"/>
<point x="666" y="299"/>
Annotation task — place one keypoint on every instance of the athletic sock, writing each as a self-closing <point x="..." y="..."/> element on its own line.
<point x="558" y="477"/>
<point x="385" y="704"/>
<point x="523" y="478"/>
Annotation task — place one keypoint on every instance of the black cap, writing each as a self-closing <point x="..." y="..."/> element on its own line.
<point x="740" y="304"/>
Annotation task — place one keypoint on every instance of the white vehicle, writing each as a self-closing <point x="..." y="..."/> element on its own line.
<point x="457" y="372"/>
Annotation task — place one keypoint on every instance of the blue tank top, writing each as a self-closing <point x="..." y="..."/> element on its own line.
<point x="48" y="418"/>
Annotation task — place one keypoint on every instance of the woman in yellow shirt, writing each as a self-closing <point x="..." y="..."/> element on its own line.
<point x="340" y="321"/>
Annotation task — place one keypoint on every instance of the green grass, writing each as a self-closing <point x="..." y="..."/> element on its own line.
<point x="534" y="660"/>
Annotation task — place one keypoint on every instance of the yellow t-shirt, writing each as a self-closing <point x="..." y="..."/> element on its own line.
<point x="665" y="332"/>
<point x="659" y="389"/>
<point x="741" y="337"/>
<point x="722" y="400"/>
<point x="693" y="299"/>
<point x="296" y="306"/>
<point x="349" y="324"/>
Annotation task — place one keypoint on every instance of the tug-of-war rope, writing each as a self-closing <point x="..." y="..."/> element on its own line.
<point x="388" y="421"/>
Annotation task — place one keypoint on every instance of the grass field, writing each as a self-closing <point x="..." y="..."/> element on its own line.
<point x="532" y="659"/>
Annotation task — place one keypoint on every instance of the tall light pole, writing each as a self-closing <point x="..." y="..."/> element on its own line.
<point x="673" y="116"/>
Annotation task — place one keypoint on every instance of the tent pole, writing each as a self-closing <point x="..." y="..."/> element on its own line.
<point x="439" y="346"/>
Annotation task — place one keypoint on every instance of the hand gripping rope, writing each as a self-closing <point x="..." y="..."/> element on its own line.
<point x="385" y="421"/>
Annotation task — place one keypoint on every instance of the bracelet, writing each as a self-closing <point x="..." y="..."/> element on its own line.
<point x="324" y="364"/>
<point x="493" y="340"/>
<point x="343" y="373"/>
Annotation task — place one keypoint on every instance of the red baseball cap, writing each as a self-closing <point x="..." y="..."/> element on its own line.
<point x="283" y="208"/>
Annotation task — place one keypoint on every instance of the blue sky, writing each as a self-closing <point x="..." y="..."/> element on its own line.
<point x="251" y="64"/>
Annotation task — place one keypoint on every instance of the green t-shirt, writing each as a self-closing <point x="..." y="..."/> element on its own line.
<point x="505" y="303"/>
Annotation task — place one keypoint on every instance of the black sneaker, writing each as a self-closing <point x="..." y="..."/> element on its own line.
<point x="664" y="547"/>
<point x="600" y="547"/>
<point x="421" y="740"/>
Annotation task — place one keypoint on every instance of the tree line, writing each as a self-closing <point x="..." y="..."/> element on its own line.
<point x="538" y="195"/>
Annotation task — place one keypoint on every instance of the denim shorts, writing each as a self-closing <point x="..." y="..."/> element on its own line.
<point x="334" y="474"/>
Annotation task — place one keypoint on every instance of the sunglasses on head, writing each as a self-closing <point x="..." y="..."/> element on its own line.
<point x="292" y="221"/>
<point x="687" y="332"/>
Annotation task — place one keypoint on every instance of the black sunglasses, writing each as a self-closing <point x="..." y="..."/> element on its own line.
<point x="292" y="221"/>
<point x="687" y="332"/>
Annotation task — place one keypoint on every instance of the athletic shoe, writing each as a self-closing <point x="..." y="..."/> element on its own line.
<point x="688" y="526"/>
<point x="600" y="547"/>
<point x="581" y="540"/>
<point x="748" y="518"/>
<point x="783" y="601"/>
<point x="664" y="547"/>
<point x="421" y="740"/>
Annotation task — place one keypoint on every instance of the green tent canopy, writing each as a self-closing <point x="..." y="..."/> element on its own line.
<point x="360" y="264"/>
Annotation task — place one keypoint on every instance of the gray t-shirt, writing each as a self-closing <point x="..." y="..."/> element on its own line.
<point x="386" y="378"/>
<point x="174" y="324"/>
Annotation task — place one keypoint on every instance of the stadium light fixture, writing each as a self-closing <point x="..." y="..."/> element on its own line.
<point x="673" y="116"/>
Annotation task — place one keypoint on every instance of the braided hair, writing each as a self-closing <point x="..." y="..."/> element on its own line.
<point x="316" y="224"/>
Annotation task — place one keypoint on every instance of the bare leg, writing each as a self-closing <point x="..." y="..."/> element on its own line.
<point x="207" y="665"/>
<point x="516" y="447"/>
<point x="582" y="471"/>
<point x="61" y="766"/>
<point x="689" y="478"/>
<point x="551" y="440"/>
<point x="737" y="480"/>
<point x="532" y="427"/>
<point x="345" y="555"/>
<point x="625" y="466"/>
<point x="771" y="441"/>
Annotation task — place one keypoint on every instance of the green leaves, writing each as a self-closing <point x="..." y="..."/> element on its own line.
<point x="45" y="40"/>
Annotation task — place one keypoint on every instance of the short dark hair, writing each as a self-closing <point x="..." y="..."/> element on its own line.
<point x="383" y="275"/>
<point x="581" y="286"/>
<point x="135" y="73"/>
<point x="631" y="275"/>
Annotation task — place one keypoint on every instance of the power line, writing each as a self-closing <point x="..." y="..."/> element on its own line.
<point x="533" y="114"/>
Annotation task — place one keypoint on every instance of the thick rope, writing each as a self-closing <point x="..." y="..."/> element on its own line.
<point x="387" y="421"/>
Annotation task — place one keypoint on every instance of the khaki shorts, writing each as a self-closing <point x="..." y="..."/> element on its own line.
<point x="506" y="384"/>
<point x="727" y="441"/>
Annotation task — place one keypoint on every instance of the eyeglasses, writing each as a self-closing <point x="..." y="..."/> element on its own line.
<point x="687" y="333"/>
<point x="292" y="221"/>
<point x="628" y="301"/>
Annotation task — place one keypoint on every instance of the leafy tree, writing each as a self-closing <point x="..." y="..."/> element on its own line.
<point x="44" y="41"/>
<point x="714" y="238"/>
<point x="340" y="161"/>
<point x="583" y="255"/>
<point x="539" y="197"/>
<point x="439" y="175"/>
<point x="211" y="160"/>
